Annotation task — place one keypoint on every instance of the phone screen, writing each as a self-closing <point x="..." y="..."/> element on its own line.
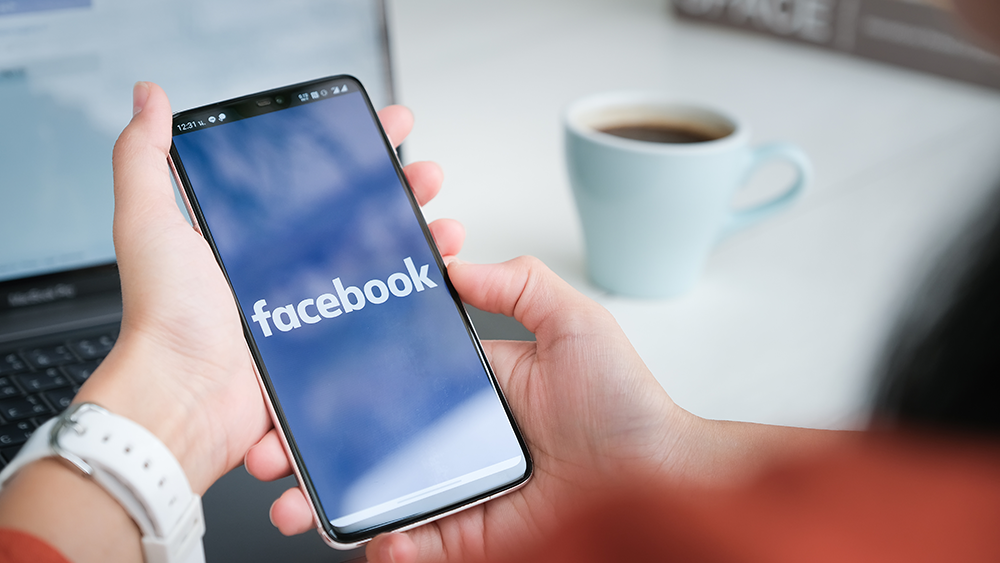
<point x="375" y="375"/>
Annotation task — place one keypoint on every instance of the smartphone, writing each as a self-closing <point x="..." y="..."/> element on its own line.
<point x="375" y="378"/>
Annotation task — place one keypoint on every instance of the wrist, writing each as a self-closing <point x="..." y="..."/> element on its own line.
<point x="131" y="465"/>
<point x="683" y="451"/>
<point x="130" y="383"/>
<point x="49" y="496"/>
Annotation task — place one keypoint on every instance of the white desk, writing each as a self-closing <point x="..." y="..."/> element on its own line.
<point x="789" y="320"/>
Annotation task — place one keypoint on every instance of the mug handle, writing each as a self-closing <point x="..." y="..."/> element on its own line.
<point x="761" y="155"/>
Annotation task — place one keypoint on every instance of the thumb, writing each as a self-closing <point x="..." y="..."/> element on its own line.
<point x="526" y="289"/>
<point x="144" y="196"/>
<point x="391" y="548"/>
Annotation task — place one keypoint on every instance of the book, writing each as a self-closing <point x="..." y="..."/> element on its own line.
<point x="919" y="34"/>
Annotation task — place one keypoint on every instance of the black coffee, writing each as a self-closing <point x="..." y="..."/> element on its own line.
<point x="662" y="133"/>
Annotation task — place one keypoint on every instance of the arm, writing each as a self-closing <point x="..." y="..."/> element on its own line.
<point x="592" y="413"/>
<point x="180" y="367"/>
<point x="722" y="452"/>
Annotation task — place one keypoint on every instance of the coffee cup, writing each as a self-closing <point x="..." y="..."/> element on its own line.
<point x="654" y="182"/>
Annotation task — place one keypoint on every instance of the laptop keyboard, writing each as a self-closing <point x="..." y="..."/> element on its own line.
<point x="39" y="378"/>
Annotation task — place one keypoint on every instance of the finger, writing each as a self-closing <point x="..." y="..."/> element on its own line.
<point x="291" y="514"/>
<point x="504" y="356"/>
<point x="425" y="178"/>
<point x="391" y="548"/>
<point x="397" y="121"/>
<point x="526" y="289"/>
<point x="266" y="460"/>
<point x="449" y="235"/>
<point x="144" y="197"/>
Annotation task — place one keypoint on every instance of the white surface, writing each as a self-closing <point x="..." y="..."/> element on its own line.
<point x="789" y="319"/>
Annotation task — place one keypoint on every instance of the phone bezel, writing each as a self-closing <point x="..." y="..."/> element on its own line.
<point x="330" y="535"/>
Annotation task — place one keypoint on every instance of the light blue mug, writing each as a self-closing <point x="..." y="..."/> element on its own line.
<point x="652" y="211"/>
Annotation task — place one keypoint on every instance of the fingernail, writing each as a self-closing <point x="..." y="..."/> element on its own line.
<point x="140" y="93"/>
<point x="449" y="260"/>
<point x="386" y="553"/>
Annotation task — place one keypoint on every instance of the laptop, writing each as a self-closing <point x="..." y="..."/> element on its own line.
<point x="66" y="73"/>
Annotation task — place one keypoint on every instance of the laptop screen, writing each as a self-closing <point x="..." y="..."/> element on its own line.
<point x="66" y="73"/>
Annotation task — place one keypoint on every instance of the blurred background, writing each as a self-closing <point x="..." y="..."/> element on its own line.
<point x="790" y="317"/>
<point x="789" y="321"/>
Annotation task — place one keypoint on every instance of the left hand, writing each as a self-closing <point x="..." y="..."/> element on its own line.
<point x="181" y="367"/>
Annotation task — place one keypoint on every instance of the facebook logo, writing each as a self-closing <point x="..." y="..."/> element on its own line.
<point x="344" y="299"/>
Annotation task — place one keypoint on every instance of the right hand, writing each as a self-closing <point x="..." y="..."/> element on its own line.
<point x="589" y="409"/>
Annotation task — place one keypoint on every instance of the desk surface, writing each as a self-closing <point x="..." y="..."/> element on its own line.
<point x="790" y="318"/>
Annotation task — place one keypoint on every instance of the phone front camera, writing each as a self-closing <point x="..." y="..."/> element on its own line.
<point x="279" y="99"/>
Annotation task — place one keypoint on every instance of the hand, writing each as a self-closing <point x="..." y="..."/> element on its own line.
<point x="588" y="407"/>
<point x="181" y="366"/>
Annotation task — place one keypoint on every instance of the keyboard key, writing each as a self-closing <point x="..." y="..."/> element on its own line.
<point x="80" y="372"/>
<point x="60" y="398"/>
<point x="8" y="388"/>
<point x="93" y="348"/>
<point x="42" y="358"/>
<point x="11" y="363"/>
<point x="51" y="378"/>
<point x="40" y="420"/>
<point x="26" y="407"/>
<point x="7" y="454"/>
<point x="15" y="433"/>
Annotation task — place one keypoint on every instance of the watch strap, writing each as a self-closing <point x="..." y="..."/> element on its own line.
<point x="135" y="468"/>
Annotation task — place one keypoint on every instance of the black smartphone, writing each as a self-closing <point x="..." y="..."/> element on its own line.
<point x="386" y="403"/>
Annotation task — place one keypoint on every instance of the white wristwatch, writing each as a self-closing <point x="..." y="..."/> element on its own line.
<point x="135" y="468"/>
